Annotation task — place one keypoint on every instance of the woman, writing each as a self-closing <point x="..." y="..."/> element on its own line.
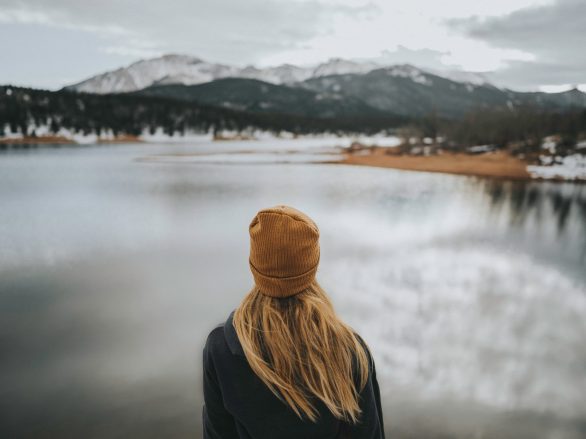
<point x="283" y="365"/>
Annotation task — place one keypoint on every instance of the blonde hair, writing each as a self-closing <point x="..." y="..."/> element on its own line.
<point x="301" y="349"/>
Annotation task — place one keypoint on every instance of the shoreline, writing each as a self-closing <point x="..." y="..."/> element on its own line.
<point x="494" y="164"/>
<point x="499" y="164"/>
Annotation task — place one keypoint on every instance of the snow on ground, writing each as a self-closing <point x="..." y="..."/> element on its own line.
<point x="161" y="137"/>
<point x="259" y="140"/>
<point x="572" y="167"/>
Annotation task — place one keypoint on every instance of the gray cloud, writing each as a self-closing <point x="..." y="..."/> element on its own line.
<point x="106" y="34"/>
<point x="220" y="30"/>
<point x="554" y="34"/>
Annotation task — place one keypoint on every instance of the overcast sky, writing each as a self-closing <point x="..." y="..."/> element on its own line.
<point x="526" y="44"/>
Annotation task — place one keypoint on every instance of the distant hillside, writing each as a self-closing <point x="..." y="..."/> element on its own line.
<point x="409" y="91"/>
<point x="23" y="109"/>
<point x="257" y="96"/>
<point x="401" y="90"/>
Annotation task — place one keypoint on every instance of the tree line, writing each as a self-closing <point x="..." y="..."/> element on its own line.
<point x="127" y="114"/>
<point x="521" y="128"/>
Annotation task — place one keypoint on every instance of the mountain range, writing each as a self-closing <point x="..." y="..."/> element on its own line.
<point x="336" y="88"/>
<point x="190" y="70"/>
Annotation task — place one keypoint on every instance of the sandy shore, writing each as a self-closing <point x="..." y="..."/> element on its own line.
<point x="495" y="164"/>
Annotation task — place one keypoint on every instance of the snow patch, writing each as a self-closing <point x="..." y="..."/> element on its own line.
<point x="572" y="167"/>
<point x="411" y="72"/>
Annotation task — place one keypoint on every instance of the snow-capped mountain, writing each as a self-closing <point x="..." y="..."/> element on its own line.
<point x="166" y="69"/>
<point x="189" y="70"/>
<point x="336" y="88"/>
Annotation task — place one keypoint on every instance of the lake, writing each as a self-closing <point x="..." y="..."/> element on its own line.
<point x="117" y="260"/>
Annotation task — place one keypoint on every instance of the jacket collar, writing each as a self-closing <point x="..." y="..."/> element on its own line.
<point x="232" y="337"/>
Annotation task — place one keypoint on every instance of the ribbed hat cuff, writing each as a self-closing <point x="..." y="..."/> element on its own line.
<point x="281" y="287"/>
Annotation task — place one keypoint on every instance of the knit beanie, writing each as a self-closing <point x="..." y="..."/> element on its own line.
<point x="284" y="251"/>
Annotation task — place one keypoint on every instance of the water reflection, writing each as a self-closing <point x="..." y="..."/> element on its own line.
<point x="541" y="204"/>
<point x="471" y="292"/>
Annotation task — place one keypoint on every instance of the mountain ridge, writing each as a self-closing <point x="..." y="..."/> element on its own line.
<point x="399" y="90"/>
<point x="191" y="70"/>
<point x="336" y="88"/>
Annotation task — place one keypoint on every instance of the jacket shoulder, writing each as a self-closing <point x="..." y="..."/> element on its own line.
<point x="215" y="339"/>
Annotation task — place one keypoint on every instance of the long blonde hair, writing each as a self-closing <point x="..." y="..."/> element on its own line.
<point x="301" y="349"/>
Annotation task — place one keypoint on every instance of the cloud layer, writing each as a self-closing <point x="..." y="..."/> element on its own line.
<point x="526" y="43"/>
<point x="554" y="34"/>
<point x="222" y="29"/>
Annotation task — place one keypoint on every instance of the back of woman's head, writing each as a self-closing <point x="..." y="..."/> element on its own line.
<point x="289" y="331"/>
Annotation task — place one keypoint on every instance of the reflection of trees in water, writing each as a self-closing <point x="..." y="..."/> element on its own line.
<point x="561" y="207"/>
<point x="538" y="201"/>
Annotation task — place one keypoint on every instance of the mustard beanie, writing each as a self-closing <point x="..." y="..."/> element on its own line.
<point x="284" y="251"/>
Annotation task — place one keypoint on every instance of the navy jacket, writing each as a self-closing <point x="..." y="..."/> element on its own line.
<point x="238" y="405"/>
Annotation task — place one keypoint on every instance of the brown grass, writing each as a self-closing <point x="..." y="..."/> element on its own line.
<point x="122" y="139"/>
<point x="495" y="164"/>
<point x="37" y="139"/>
<point x="65" y="140"/>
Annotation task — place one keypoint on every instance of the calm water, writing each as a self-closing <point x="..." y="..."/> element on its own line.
<point x="116" y="261"/>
